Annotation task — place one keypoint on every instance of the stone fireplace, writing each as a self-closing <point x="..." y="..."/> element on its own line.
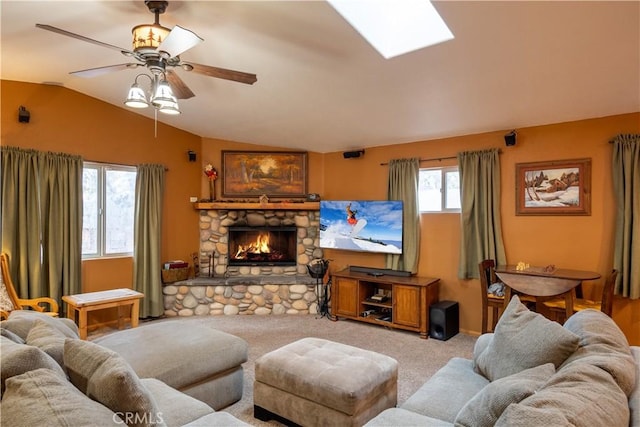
<point x="252" y="261"/>
<point x="215" y="256"/>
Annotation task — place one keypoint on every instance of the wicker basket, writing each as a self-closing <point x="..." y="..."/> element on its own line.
<point x="175" y="274"/>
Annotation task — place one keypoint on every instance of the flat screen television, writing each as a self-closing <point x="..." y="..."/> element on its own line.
<point x="361" y="225"/>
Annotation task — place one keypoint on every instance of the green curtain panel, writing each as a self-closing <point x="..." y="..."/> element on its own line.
<point x="626" y="183"/>
<point x="42" y="221"/>
<point x="403" y="185"/>
<point x="148" y="238"/>
<point x="481" y="230"/>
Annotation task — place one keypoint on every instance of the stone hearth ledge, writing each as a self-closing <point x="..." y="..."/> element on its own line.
<point x="261" y="295"/>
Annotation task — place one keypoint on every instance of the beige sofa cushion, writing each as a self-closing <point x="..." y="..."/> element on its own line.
<point x="20" y="323"/>
<point x="175" y="408"/>
<point x="485" y="408"/>
<point x="105" y="377"/>
<point x="517" y="415"/>
<point x="217" y="419"/>
<point x="584" y="394"/>
<point x="602" y="344"/>
<point x="48" y="339"/>
<point x="524" y="339"/>
<point x="8" y="334"/>
<point x="16" y="359"/>
<point x="43" y="398"/>
<point x="634" y="399"/>
<point x="447" y="391"/>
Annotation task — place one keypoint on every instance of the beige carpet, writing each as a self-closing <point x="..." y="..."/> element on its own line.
<point x="418" y="359"/>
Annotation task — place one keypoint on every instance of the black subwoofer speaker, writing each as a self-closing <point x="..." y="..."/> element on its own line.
<point x="443" y="320"/>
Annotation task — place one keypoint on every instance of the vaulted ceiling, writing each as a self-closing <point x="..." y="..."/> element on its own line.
<point x="322" y="87"/>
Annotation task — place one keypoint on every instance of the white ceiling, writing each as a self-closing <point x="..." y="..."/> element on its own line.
<point x="321" y="87"/>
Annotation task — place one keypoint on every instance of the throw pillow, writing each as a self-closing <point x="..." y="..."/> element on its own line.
<point x="584" y="394"/>
<point x="5" y="302"/>
<point x="8" y="334"/>
<point x="517" y="415"/>
<point x="43" y="398"/>
<point x="17" y="359"/>
<point x="485" y="408"/>
<point x="48" y="339"/>
<point x="602" y="344"/>
<point x="524" y="339"/>
<point x="106" y="377"/>
<point x="20" y="323"/>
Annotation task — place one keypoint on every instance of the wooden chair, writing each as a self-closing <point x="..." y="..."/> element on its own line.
<point x="489" y="301"/>
<point x="11" y="301"/>
<point x="605" y="304"/>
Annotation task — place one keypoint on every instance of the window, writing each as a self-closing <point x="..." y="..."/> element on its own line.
<point x="108" y="203"/>
<point x="439" y="190"/>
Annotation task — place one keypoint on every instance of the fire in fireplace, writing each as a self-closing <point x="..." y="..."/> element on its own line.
<point x="262" y="246"/>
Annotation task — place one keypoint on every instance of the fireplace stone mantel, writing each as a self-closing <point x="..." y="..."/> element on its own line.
<point x="289" y="206"/>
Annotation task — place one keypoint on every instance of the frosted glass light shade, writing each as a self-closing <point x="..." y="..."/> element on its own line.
<point x="170" y="109"/>
<point x="136" y="98"/>
<point x="163" y="95"/>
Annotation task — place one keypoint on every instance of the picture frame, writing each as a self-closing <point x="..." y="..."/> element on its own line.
<point x="258" y="173"/>
<point x="558" y="187"/>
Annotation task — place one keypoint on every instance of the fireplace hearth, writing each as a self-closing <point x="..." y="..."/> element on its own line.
<point x="262" y="246"/>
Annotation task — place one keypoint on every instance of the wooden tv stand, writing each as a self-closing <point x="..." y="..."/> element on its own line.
<point x="406" y="305"/>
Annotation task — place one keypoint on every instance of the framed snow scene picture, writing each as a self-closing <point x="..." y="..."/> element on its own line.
<point x="559" y="187"/>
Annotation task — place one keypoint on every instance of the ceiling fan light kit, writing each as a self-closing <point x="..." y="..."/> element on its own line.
<point x="157" y="48"/>
<point x="161" y="97"/>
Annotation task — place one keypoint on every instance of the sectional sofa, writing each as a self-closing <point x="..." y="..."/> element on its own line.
<point x="153" y="375"/>
<point x="533" y="372"/>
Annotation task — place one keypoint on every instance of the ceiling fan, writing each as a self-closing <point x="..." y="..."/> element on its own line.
<point x="158" y="48"/>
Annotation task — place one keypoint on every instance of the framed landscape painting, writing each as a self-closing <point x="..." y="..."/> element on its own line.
<point x="560" y="187"/>
<point x="257" y="173"/>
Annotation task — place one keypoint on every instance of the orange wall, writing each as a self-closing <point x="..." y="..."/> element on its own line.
<point x="66" y="121"/>
<point x="212" y="153"/>
<point x="575" y="242"/>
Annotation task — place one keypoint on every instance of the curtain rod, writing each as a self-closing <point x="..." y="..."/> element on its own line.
<point x="439" y="159"/>
<point x="166" y="169"/>
<point x="427" y="160"/>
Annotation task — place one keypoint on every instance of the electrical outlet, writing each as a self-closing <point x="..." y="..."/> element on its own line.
<point x="193" y="199"/>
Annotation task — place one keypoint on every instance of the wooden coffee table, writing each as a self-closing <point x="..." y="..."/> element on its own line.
<point x="83" y="303"/>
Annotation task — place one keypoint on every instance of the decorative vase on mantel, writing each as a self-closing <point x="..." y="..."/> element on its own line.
<point x="212" y="190"/>
<point x="212" y="175"/>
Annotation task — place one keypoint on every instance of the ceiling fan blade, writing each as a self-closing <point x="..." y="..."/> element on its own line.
<point x="221" y="73"/>
<point x="99" y="71"/>
<point x="179" y="40"/>
<point x="179" y="87"/>
<point x="126" y="52"/>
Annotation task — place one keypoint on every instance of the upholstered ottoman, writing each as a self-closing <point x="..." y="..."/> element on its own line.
<point x="315" y="382"/>
<point x="202" y="362"/>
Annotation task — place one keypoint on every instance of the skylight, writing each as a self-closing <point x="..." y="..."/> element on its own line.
<point x="394" y="27"/>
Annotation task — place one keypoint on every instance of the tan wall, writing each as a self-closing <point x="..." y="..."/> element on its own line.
<point x="66" y="121"/>
<point x="575" y="242"/>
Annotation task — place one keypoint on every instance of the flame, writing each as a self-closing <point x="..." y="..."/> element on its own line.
<point x="260" y="246"/>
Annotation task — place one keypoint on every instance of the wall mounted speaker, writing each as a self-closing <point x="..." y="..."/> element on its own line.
<point x="352" y="154"/>
<point x="23" y="115"/>
<point x="443" y="320"/>
<point x="192" y="155"/>
<point x="510" y="138"/>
